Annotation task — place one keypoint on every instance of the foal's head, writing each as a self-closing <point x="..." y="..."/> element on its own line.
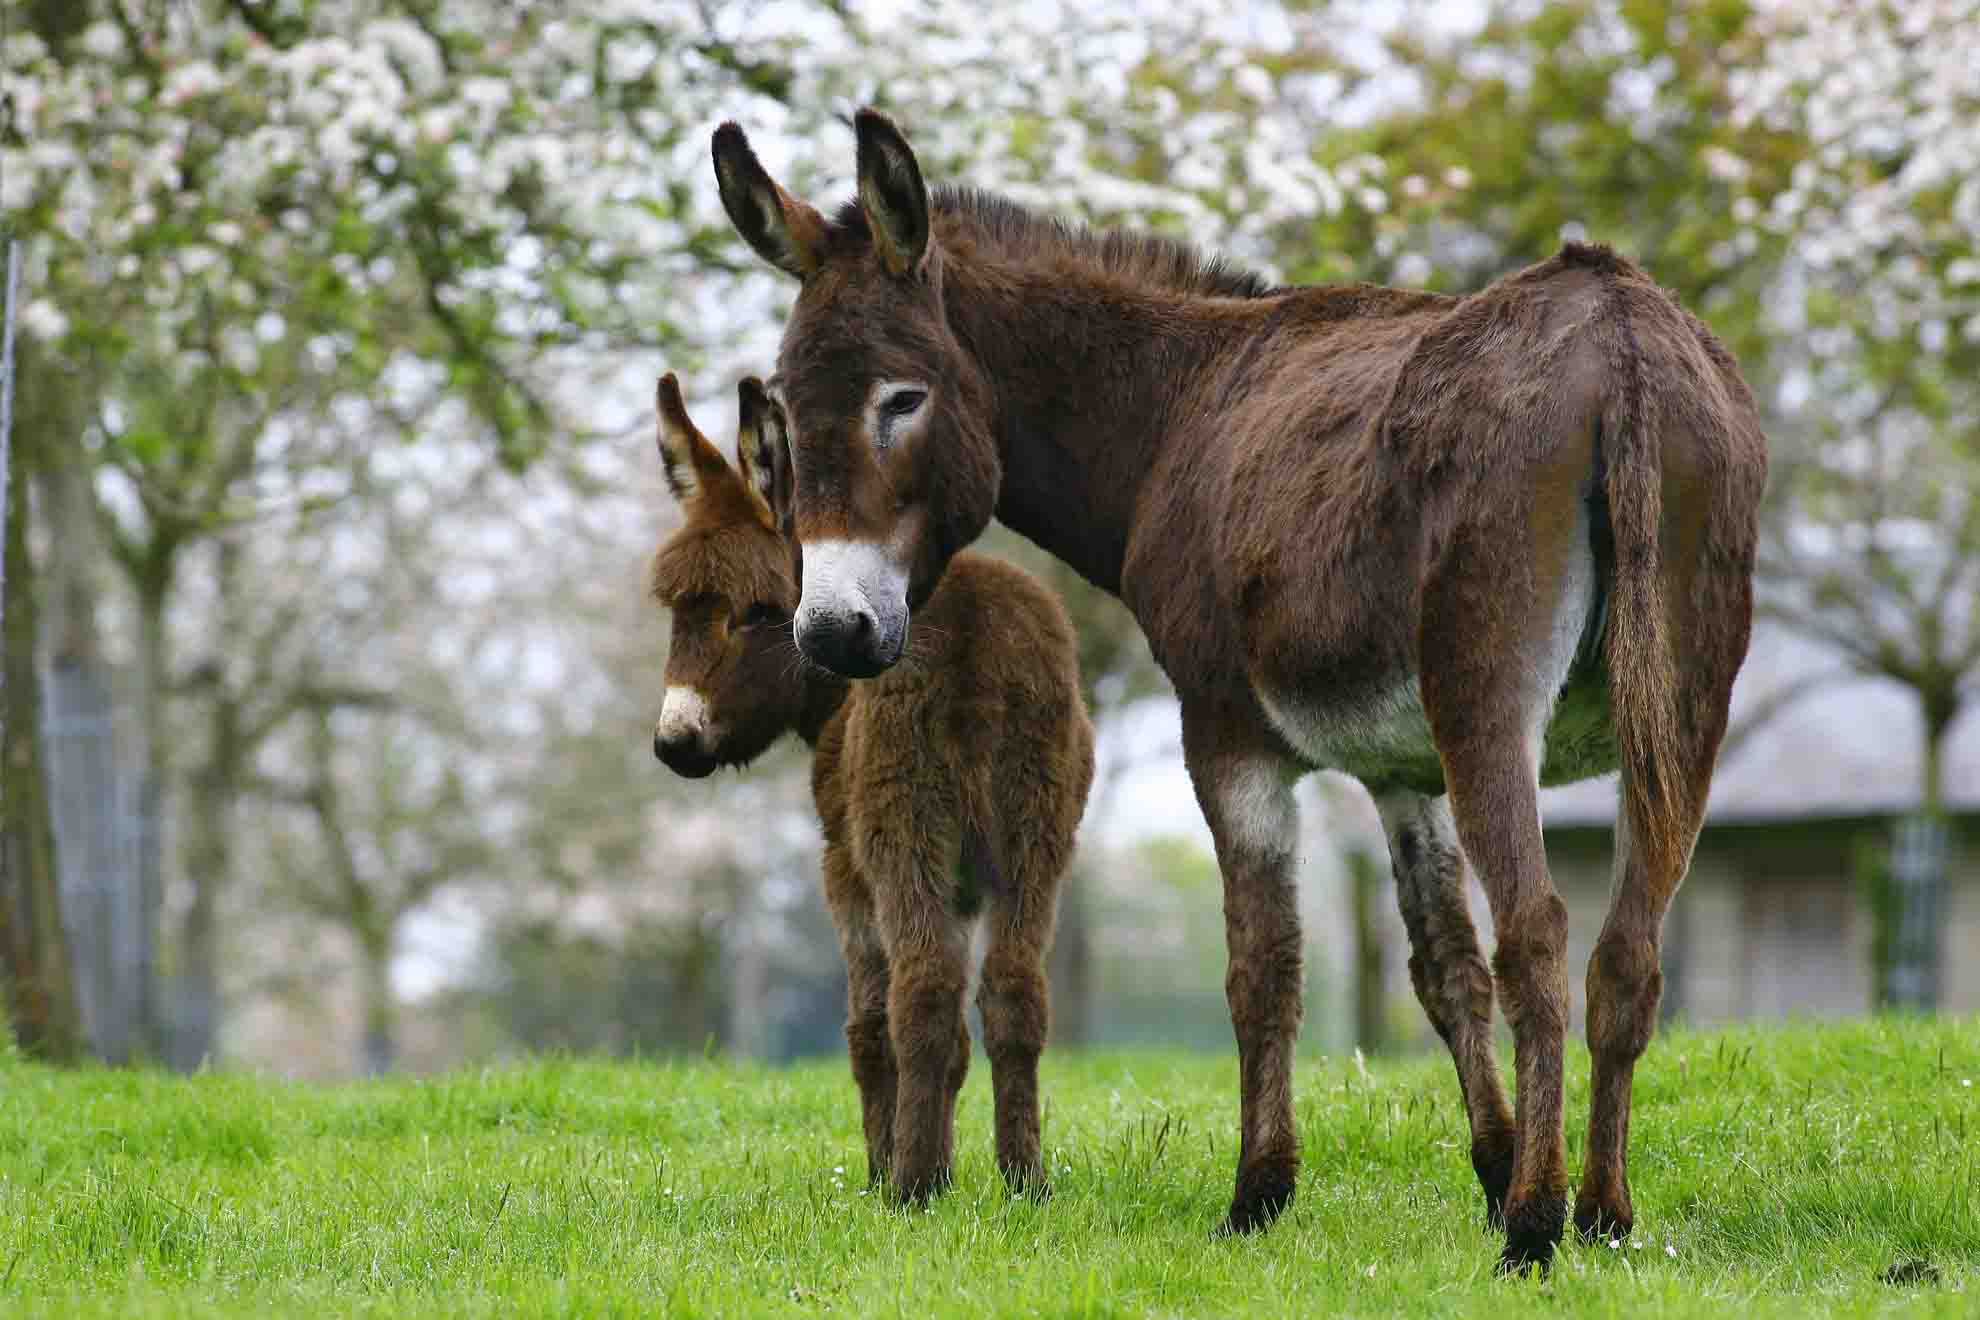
<point x="731" y="579"/>
<point x="897" y="467"/>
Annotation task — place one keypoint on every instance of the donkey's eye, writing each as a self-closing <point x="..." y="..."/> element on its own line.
<point x="903" y="403"/>
<point x="761" y="614"/>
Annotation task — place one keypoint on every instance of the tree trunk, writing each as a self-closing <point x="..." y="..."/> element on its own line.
<point x="39" y="994"/>
<point x="747" y="1034"/>
<point x="195" y="985"/>
<point x="1070" y="964"/>
<point x="1370" y="958"/>
<point x="209" y="853"/>
<point x="153" y="582"/>
<point x="381" y="1011"/>
<point x="1941" y="712"/>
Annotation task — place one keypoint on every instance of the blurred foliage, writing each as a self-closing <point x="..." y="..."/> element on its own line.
<point x="648" y="990"/>
<point x="314" y="280"/>
<point x="1584" y="117"/>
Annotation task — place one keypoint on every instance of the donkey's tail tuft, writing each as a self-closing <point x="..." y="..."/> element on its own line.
<point x="1643" y="681"/>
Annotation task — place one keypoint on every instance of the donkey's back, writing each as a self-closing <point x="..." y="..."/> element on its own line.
<point x="1386" y="462"/>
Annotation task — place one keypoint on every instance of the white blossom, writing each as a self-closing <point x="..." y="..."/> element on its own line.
<point x="289" y="165"/>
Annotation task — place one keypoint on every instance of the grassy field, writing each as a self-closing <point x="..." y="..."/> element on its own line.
<point x="1777" y="1172"/>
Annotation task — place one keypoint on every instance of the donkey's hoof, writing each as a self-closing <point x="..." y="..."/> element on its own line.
<point x="1263" y="1191"/>
<point x="1492" y="1161"/>
<point x="1595" y="1222"/>
<point x="1533" y="1230"/>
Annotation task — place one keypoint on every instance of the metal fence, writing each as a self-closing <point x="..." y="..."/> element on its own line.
<point x="106" y="837"/>
<point x="1919" y="855"/>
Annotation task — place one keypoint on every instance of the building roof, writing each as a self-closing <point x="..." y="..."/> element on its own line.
<point x="1852" y="747"/>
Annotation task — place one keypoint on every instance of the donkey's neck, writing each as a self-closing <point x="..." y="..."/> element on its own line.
<point x="1089" y="382"/>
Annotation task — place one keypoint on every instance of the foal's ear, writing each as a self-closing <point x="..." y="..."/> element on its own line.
<point x="690" y="460"/>
<point x="891" y="192"/>
<point x="787" y="233"/>
<point x="763" y="446"/>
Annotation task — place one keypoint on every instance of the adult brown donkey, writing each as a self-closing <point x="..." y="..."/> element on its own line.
<point x="1456" y="547"/>
<point x="950" y="788"/>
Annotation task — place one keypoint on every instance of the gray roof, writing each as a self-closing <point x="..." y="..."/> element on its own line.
<point x="1849" y="748"/>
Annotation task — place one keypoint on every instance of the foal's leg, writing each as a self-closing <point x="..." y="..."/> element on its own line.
<point x="867" y="1037"/>
<point x="1246" y="794"/>
<point x="1451" y="977"/>
<point x="927" y="952"/>
<point x="1012" y="994"/>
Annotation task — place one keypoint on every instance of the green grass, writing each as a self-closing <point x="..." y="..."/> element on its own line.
<point x="1777" y="1171"/>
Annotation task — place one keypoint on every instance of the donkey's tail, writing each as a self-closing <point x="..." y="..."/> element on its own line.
<point x="1657" y="788"/>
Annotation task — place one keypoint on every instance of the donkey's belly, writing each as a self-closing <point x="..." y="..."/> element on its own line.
<point x="1382" y="740"/>
<point x="1386" y="744"/>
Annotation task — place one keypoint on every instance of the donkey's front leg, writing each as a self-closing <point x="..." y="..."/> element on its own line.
<point x="931" y="1051"/>
<point x="1246" y="795"/>
<point x="868" y="1041"/>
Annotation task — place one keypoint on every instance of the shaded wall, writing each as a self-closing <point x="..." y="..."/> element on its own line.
<point x="1770" y="922"/>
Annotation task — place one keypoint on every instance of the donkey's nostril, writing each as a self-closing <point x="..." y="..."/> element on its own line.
<point x="845" y="641"/>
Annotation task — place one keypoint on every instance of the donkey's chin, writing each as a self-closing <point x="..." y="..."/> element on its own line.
<point x="686" y="761"/>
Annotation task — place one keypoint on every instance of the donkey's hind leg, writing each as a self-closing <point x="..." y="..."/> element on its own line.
<point x="1452" y="979"/>
<point x="867" y="1038"/>
<point x="1625" y="983"/>
<point x="1497" y="645"/>
<point x="1012" y="993"/>
<point x="1625" y="980"/>
<point x="1495" y="798"/>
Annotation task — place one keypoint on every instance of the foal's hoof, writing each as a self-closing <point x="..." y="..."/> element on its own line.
<point x="915" y="1193"/>
<point x="1595" y="1222"/>
<point x="1533" y="1230"/>
<point x="1263" y="1191"/>
<point x="1029" y="1183"/>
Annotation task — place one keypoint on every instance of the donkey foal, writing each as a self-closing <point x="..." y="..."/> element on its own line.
<point x="950" y="788"/>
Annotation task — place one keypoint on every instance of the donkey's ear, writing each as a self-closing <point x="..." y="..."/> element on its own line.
<point x="763" y="445"/>
<point x="891" y="192"/>
<point x="785" y="232"/>
<point x="690" y="460"/>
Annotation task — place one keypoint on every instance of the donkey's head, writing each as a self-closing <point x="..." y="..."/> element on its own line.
<point x="891" y="425"/>
<point x="731" y="579"/>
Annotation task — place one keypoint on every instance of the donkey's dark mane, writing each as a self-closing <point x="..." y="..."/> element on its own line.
<point x="1022" y="234"/>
